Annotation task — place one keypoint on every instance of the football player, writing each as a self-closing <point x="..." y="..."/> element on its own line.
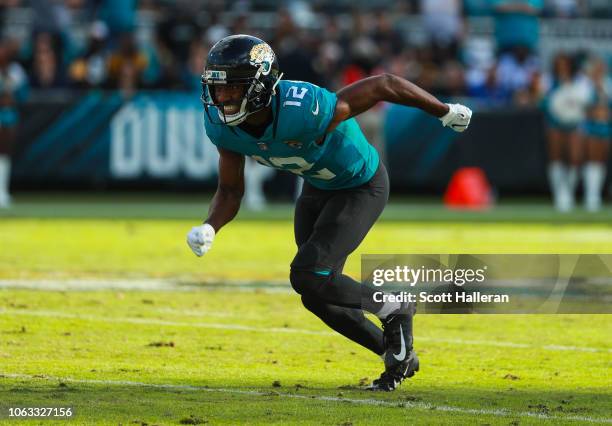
<point x="310" y="131"/>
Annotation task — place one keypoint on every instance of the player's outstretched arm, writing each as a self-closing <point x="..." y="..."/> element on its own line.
<point x="364" y="94"/>
<point x="225" y="203"/>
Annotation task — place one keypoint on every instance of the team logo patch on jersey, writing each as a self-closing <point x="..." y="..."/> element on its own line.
<point x="262" y="145"/>
<point x="262" y="54"/>
<point x="293" y="144"/>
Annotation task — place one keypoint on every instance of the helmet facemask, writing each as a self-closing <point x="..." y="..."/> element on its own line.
<point x="209" y="99"/>
<point x="258" y="74"/>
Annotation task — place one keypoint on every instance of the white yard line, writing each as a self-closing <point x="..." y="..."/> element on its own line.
<point x="358" y="401"/>
<point x="219" y="326"/>
<point x="153" y="321"/>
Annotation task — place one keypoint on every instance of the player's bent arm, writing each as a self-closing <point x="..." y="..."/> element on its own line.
<point x="230" y="189"/>
<point x="364" y="94"/>
<point x="225" y="203"/>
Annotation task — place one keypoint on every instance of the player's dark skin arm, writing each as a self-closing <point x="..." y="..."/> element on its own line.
<point x="230" y="188"/>
<point x="364" y="94"/>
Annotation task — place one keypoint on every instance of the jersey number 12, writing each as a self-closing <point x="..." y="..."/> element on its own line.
<point x="302" y="166"/>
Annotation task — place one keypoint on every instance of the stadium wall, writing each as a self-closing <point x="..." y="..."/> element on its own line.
<point x="156" y="141"/>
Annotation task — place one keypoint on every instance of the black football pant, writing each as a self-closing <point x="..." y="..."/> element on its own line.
<point x="329" y="225"/>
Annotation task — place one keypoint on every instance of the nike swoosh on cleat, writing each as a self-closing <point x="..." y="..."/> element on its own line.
<point x="316" y="110"/>
<point x="402" y="354"/>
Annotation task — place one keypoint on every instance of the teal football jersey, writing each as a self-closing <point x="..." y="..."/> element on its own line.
<point x="302" y="111"/>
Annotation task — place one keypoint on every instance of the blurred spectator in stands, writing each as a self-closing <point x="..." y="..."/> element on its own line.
<point x="119" y="15"/>
<point x="561" y="8"/>
<point x="366" y="59"/>
<point x="155" y="74"/>
<point x="215" y="30"/>
<point x="240" y="25"/>
<point x="481" y="80"/>
<point x="517" y="24"/>
<point x="444" y="80"/>
<point x="13" y="89"/>
<point x="452" y="83"/>
<point x="601" y="9"/>
<point x="364" y="56"/>
<point x="443" y="24"/>
<point x="126" y="66"/>
<point x="49" y="16"/>
<point x="387" y="38"/>
<point x="191" y="76"/>
<point x="330" y="53"/>
<point x="7" y="4"/>
<point x="294" y="50"/>
<point x="89" y="70"/>
<point x="46" y="71"/>
<point x="405" y="64"/>
<point x="484" y="88"/>
<point x="565" y="106"/>
<point x="477" y="7"/>
<point x="517" y="77"/>
<point x="428" y="76"/>
<point x="597" y="130"/>
<point x="517" y="35"/>
<point x="177" y="30"/>
<point x="163" y="69"/>
<point x="55" y="18"/>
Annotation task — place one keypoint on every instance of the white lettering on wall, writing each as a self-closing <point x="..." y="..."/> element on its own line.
<point x="150" y="141"/>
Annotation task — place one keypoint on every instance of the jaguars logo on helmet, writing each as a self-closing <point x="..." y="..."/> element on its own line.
<point x="262" y="54"/>
<point x="240" y="60"/>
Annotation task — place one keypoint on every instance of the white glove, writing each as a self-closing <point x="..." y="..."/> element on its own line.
<point x="200" y="238"/>
<point x="457" y="118"/>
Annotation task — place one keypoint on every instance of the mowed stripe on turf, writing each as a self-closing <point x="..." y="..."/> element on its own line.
<point x="219" y="326"/>
<point x="145" y="284"/>
<point x="360" y="401"/>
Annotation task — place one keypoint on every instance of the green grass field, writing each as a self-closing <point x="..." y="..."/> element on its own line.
<point x="103" y="308"/>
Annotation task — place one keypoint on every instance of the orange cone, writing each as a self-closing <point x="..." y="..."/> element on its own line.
<point x="469" y="189"/>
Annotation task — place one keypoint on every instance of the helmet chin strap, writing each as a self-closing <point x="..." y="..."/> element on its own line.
<point x="274" y="87"/>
